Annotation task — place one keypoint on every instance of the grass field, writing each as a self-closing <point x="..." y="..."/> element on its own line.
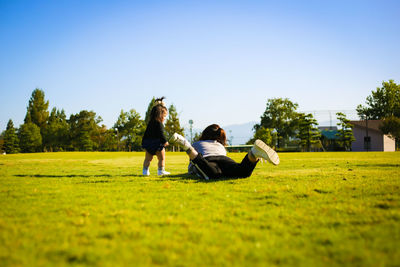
<point x="314" y="209"/>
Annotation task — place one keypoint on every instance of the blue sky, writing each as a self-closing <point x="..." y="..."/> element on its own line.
<point x="216" y="61"/>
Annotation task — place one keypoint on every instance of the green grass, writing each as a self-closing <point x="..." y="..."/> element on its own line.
<point x="314" y="209"/>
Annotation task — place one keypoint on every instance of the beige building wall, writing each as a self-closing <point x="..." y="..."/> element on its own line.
<point x="379" y="142"/>
<point x="359" y="134"/>
<point x="358" y="144"/>
<point x="389" y="144"/>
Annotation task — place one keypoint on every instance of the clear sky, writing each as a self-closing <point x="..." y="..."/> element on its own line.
<point x="216" y="61"/>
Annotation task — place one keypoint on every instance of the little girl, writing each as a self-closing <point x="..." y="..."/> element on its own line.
<point x="154" y="141"/>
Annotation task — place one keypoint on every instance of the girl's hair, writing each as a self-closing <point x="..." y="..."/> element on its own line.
<point x="214" y="132"/>
<point x="158" y="109"/>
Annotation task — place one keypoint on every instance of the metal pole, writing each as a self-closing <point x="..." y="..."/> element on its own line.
<point x="191" y="130"/>
<point x="368" y="140"/>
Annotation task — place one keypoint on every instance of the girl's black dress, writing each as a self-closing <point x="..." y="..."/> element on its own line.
<point x="154" y="138"/>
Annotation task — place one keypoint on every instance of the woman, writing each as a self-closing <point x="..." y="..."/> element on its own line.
<point x="208" y="156"/>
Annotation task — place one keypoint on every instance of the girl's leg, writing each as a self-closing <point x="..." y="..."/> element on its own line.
<point x="161" y="158"/>
<point x="161" y="162"/>
<point x="147" y="159"/>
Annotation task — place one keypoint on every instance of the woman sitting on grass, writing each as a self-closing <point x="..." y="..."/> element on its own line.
<point x="208" y="156"/>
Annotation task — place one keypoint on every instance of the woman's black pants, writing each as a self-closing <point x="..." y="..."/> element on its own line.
<point x="223" y="166"/>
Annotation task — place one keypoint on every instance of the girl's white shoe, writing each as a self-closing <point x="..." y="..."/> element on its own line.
<point x="146" y="172"/>
<point x="163" y="172"/>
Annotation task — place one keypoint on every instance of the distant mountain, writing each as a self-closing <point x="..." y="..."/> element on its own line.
<point x="239" y="134"/>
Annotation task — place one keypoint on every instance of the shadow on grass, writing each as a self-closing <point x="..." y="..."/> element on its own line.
<point x="180" y="177"/>
<point x="368" y="165"/>
<point x="184" y="177"/>
<point x="96" y="182"/>
<point x="74" y="175"/>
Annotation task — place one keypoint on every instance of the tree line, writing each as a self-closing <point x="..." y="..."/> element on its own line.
<point x="384" y="104"/>
<point x="281" y="125"/>
<point x="53" y="131"/>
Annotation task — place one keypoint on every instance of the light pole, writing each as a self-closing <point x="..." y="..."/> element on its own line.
<point x="367" y="139"/>
<point x="191" y="130"/>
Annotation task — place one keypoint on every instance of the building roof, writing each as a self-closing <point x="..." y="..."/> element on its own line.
<point x="330" y="134"/>
<point x="327" y="128"/>
<point x="372" y="124"/>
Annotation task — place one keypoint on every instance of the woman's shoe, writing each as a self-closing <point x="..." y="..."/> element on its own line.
<point x="180" y="140"/>
<point x="261" y="150"/>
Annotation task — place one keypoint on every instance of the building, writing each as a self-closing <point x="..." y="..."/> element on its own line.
<point x="329" y="138"/>
<point x="370" y="138"/>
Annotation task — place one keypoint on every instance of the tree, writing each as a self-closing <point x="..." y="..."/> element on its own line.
<point x="131" y="128"/>
<point x="2" y="142"/>
<point x="84" y="131"/>
<point x="56" y="131"/>
<point x="264" y="134"/>
<point x="149" y="108"/>
<point x="30" y="139"/>
<point x="11" y="140"/>
<point x="345" y="133"/>
<point x="391" y="126"/>
<point x="280" y="115"/>
<point x="308" y="132"/>
<point x="382" y="103"/>
<point x="196" y="137"/>
<point x="173" y="125"/>
<point x="37" y="112"/>
<point x="108" y="139"/>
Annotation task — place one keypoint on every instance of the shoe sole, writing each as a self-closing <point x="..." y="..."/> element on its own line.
<point x="174" y="138"/>
<point x="268" y="153"/>
<point x="177" y="139"/>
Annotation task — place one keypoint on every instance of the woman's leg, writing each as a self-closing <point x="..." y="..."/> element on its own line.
<point x="252" y="158"/>
<point x="206" y="168"/>
<point x="244" y="169"/>
<point x="231" y="169"/>
<point x="180" y="140"/>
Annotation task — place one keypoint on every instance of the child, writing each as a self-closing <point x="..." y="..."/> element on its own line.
<point x="154" y="141"/>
